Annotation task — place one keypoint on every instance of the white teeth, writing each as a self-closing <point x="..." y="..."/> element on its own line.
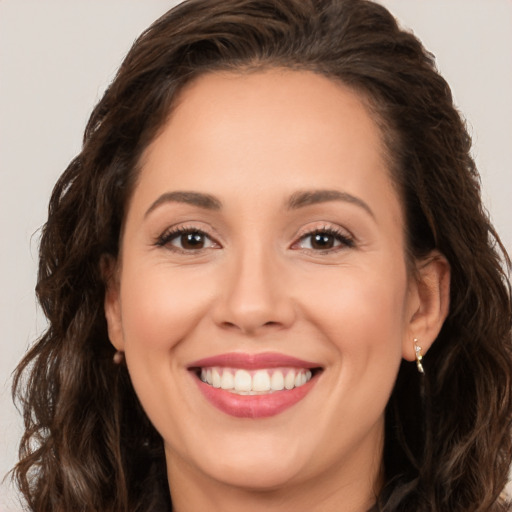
<point x="277" y="381"/>
<point x="289" y="380"/>
<point x="261" y="381"/>
<point x="227" y="381"/>
<point x="245" y="382"/>
<point x="215" y="378"/>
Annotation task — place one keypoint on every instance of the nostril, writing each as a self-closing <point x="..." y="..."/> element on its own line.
<point x="248" y="327"/>
<point x="229" y="325"/>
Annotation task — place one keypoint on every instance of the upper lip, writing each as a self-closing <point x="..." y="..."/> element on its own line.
<point x="253" y="361"/>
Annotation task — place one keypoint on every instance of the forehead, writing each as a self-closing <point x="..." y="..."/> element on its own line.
<point x="272" y="98"/>
<point x="270" y="131"/>
<point x="236" y="107"/>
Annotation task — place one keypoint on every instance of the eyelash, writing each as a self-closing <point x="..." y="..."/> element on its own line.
<point x="168" y="236"/>
<point x="344" y="240"/>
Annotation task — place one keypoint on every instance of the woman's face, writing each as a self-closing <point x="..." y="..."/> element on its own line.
<point x="263" y="248"/>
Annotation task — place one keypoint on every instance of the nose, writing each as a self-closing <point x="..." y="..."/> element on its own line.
<point x="255" y="297"/>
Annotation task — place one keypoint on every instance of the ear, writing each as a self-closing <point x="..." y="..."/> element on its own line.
<point x="112" y="304"/>
<point x="428" y="303"/>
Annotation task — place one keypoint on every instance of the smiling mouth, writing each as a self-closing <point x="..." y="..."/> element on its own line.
<point x="255" y="382"/>
<point x="254" y="385"/>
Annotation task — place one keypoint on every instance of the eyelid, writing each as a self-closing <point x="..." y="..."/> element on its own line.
<point x="343" y="235"/>
<point x="174" y="231"/>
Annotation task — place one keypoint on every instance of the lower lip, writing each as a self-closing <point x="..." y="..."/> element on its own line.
<point x="254" y="406"/>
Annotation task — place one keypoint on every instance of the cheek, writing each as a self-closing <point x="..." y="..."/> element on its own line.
<point x="358" y="298"/>
<point x="361" y="313"/>
<point x="159" y="307"/>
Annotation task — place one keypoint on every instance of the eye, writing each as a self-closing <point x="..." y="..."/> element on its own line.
<point x="187" y="240"/>
<point x="327" y="239"/>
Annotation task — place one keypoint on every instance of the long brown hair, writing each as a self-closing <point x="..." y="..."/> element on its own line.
<point x="89" y="446"/>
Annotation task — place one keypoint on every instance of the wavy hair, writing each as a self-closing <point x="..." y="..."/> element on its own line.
<point x="447" y="440"/>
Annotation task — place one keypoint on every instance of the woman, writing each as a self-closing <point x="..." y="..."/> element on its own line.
<point x="270" y="280"/>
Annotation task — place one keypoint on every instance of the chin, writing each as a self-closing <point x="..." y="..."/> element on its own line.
<point x="261" y="475"/>
<point x="253" y="463"/>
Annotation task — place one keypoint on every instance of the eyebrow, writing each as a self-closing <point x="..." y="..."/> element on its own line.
<point x="310" y="197"/>
<point x="205" y="201"/>
<point x="296" y="200"/>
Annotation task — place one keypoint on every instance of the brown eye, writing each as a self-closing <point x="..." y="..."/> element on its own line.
<point x="191" y="241"/>
<point x="324" y="240"/>
<point x="187" y="240"/>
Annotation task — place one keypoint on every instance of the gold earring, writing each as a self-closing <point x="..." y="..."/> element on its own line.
<point x="419" y="357"/>
<point x="118" y="357"/>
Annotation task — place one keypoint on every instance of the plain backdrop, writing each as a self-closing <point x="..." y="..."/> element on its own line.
<point x="56" y="58"/>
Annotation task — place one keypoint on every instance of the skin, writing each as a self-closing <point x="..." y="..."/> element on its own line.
<point x="253" y="141"/>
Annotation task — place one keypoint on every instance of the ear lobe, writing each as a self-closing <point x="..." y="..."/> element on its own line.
<point x="112" y="304"/>
<point x="429" y="301"/>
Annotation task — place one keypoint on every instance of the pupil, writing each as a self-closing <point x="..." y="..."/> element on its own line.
<point x="192" y="241"/>
<point x="323" y="241"/>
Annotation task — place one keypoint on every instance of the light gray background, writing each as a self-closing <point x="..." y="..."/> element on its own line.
<point x="56" y="57"/>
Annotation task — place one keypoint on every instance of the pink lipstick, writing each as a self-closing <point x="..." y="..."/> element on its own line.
<point x="254" y="385"/>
